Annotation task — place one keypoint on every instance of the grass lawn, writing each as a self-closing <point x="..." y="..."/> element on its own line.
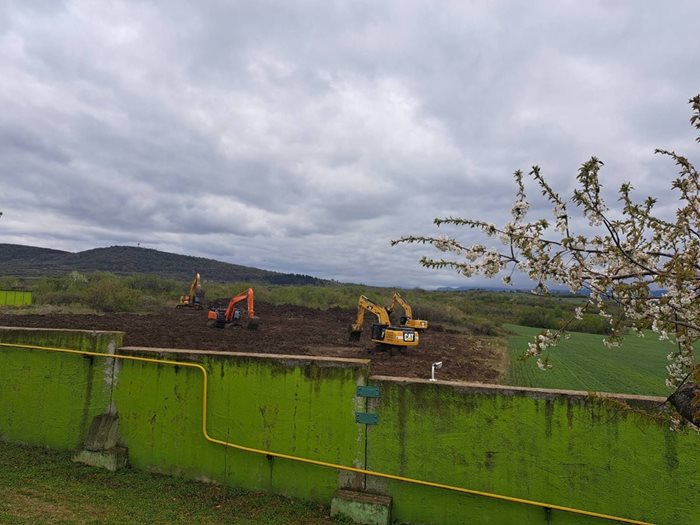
<point x="45" y="486"/>
<point x="584" y="363"/>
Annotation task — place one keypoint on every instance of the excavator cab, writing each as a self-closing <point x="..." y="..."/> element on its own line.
<point x="382" y="332"/>
<point x="232" y="316"/>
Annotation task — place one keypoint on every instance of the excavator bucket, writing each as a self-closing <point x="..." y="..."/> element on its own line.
<point x="353" y="333"/>
<point x="253" y="323"/>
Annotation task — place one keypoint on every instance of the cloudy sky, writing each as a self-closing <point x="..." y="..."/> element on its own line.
<point x="304" y="136"/>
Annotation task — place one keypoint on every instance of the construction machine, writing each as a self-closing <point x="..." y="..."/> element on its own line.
<point x="232" y="316"/>
<point x="407" y="317"/>
<point x="382" y="331"/>
<point x="195" y="296"/>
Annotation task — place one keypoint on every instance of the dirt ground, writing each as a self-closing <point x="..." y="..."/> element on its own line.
<point x="287" y="329"/>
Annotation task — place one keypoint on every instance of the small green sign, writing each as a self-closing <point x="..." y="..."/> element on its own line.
<point x="365" y="418"/>
<point x="368" y="391"/>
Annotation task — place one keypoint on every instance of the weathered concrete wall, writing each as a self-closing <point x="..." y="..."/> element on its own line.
<point x="561" y="448"/>
<point x="557" y="447"/>
<point x="302" y="406"/>
<point x="49" y="399"/>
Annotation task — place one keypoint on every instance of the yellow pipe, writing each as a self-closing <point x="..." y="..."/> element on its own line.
<point x="424" y="483"/>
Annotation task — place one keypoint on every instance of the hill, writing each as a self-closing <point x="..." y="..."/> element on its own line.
<point x="29" y="261"/>
<point x="12" y="252"/>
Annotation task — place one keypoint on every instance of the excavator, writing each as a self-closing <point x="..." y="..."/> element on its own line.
<point x="195" y="296"/>
<point x="382" y="331"/>
<point x="407" y="317"/>
<point x="231" y="316"/>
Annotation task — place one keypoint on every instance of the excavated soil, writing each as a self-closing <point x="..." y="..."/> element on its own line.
<point x="287" y="329"/>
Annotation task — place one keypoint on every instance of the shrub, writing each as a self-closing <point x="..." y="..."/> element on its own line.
<point x="107" y="293"/>
<point x="537" y="318"/>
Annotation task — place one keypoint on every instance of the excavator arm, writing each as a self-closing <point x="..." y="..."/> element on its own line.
<point x="194" y="298"/>
<point x="243" y="296"/>
<point x="407" y="318"/>
<point x="364" y="304"/>
<point x="224" y="317"/>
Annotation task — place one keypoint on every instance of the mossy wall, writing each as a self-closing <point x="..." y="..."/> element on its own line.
<point x="293" y="405"/>
<point x="50" y="399"/>
<point x="301" y="406"/>
<point x="562" y="448"/>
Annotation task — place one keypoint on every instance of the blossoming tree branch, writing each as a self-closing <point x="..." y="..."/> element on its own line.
<point x="637" y="269"/>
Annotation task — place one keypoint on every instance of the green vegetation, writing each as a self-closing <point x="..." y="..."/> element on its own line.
<point x="43" y="486"/>
<point x="582" y="362"/>
<point x="105" y="292"/>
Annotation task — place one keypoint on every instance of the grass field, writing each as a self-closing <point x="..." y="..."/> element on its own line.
<point x="44" y="486"/>
<point x="584" y="363"/>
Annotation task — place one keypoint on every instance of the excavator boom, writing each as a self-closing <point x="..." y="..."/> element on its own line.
<point x="407" y="317"/>
<point x="225" y="317"/>
<point x="195" y="296"/>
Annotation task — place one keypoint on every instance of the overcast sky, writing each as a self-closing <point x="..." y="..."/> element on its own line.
<point x="303" y="136"/>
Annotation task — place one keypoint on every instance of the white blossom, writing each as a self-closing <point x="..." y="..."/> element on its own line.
<point x="542" y="365"/>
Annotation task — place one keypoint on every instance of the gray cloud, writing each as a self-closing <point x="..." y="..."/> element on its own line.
<point x="304" y="136"/>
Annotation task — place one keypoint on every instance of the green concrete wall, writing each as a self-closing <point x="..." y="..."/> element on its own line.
<point x="294" y="405"/>
<point x="562" y="448"/>
<point x="50" y="399"/>
<point x="557" y="447"/>
<point x="297" y="406"/>
<point x="15" y="298"/>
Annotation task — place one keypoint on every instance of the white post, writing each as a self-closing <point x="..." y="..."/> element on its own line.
<point x="435" y="366"/>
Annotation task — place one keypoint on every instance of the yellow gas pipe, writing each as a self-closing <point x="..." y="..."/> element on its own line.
<point x="317" y="462"/>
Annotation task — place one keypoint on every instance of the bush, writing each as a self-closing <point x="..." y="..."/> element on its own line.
<point x="592" y="324"/>
<point x="538" y="318"/>
<point x="481" y="326"/>
<point x="107" y="293"/>
<point x="154" y="285"/>
<point x="436" y="312"/>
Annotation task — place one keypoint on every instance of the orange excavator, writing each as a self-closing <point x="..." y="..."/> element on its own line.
<point x="232" y="316"/>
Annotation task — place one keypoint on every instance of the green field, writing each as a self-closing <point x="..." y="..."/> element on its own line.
<point x="583" y="363"/>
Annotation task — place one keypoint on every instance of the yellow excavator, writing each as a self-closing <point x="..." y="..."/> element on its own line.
<point x="195" y="296"/>
<point x="407" y="317"/>
<point x="382" y="331"/>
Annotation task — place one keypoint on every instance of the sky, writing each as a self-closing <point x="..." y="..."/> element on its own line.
<point x="304" y="136"/>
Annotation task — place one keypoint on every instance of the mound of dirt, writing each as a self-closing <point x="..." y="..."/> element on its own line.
<point x="287" y="329"/>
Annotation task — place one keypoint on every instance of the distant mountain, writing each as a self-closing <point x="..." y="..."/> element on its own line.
<point x="553" y="290"/>
<point x="29" y="261"/>
<point x="473" y="288"/>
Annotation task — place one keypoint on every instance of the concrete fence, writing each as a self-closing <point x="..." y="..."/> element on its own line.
<point x="604" y="454"/>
